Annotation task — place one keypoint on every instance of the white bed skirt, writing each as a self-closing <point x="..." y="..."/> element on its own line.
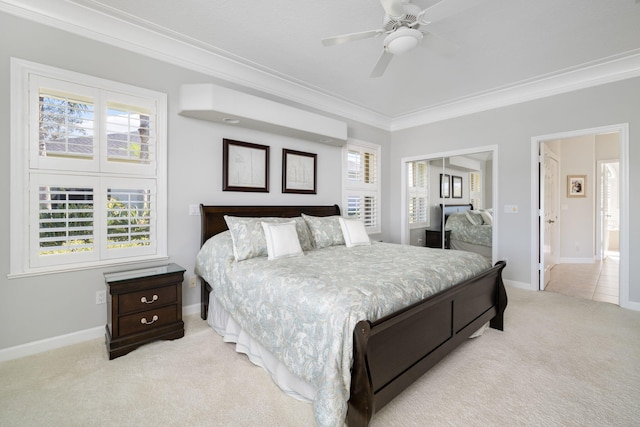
<point x="221" y="322"/>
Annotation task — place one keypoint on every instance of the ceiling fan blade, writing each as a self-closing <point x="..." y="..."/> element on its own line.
<point x="345" y="38"/>
<point x="439" y="44"/>
<point x="393" y="8"/>
<point x="444" y="9"/>
<point x="382" y="64"/>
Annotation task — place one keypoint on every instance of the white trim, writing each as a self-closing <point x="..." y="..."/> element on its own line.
<point x="516" y="284"/>
<point x="60" y="341"/>
<point x="52" y="343"/>
<point x="404" y="220"/>
<point x="623" y="131"/>
<point x="606" y="70"/>
<point x="160" y="43"/>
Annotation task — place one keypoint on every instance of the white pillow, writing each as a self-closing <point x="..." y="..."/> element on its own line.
<point x="282" y="240"/>
<point x="354" y="232"/>
<point x="486" y="217"/>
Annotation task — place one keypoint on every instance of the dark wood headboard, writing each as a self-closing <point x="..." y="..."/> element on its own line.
<point x="446" y="210"/>
<point x="213" y="222"/>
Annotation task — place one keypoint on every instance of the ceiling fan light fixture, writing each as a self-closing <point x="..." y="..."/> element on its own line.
<point x="402" y="40"/>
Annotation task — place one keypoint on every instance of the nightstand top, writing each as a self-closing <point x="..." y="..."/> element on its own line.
<point x="160" y="270"/>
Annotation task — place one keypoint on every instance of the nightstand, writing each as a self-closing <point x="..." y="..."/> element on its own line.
<point x="434" y="238"/>
<point x="144" y="305"/>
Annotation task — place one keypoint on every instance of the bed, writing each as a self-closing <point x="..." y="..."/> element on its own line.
<point x="389" y="351"/>
<point x="470" y="230"/>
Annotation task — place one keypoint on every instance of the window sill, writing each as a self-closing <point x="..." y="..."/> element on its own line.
<point x="88" y="266"/>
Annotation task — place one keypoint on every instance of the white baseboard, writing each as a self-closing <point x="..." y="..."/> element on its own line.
<point x="191" y="309"/>
<point x="52" y="343"/>
<point x="519" y="285"/>
<point x="577" y="260"/>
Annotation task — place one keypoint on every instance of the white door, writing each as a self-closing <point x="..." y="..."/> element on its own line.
<point x="549" y="191"/>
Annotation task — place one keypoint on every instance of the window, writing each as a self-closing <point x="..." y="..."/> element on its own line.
<point x="475" y="190"/>
<point x="361" y="184"/>
<point x="418" y="193"/>
<point x="89" y="186"/>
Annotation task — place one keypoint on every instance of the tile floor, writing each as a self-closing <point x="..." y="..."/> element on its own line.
<point x="597" y="281"/>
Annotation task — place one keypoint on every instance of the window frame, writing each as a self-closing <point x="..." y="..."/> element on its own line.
<point x="21" y="169"/>
<point x="361" y="189"/>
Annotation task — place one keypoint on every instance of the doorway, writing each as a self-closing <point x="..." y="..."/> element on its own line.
<point x="601" y="255"/>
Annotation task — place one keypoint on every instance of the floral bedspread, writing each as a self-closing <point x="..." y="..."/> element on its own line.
<point x="304" y="309"/>
<point x="463" y="230"/>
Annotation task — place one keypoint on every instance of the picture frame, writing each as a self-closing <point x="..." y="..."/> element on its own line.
<point x="245" y="166"/>
<point x="299" y="172"/>
<point x="456" y="187"/>
<point x="576" y="186"/>
<point x="445" y="188"/>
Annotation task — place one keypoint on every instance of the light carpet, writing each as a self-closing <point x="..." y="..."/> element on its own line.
<point x="560" y="361"/>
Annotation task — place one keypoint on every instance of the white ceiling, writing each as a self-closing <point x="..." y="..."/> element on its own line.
<point x="503" y="43"/>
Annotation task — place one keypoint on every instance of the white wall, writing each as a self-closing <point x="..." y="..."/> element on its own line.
<point x="37" y="308"/>
<point x="511" y="129"/>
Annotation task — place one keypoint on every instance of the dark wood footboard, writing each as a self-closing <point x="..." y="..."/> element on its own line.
<point x="393" y="352"/>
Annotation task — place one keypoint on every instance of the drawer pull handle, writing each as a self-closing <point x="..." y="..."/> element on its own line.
<point x="144" y="320"/>
<point x="153" y="299"/>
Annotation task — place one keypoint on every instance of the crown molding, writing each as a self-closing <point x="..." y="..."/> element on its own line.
<point x="108" y="26"/>
<point x="607" y="70"/>
<point x="159" y="43"/>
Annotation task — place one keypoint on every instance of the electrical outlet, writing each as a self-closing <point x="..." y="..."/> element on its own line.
<point x="192" y="282"/>
<point x="194" y="210"/>
<point x="101" y="297"/>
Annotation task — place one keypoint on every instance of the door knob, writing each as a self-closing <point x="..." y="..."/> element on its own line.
<point x="550" y="221"/>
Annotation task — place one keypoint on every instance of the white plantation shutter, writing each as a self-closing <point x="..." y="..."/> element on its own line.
<point x="361" y="187"/>
<point x="92" y="189"/>
<point x="418" y="192"/>
<point x="130" y="219"/>
<point x="130" y="135"/>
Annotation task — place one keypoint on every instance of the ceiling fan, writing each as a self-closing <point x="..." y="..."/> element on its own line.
<point x="404" y="26"/>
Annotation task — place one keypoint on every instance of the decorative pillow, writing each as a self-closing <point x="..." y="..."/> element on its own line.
<point x="487" y="217"/>
<point x="325" y="230"/>
<point x="248" y="235"/>
<point x="354" y="232"/>
<point x="304" y="235"/>
<point x="473" y="217"/>
<point x="282" y="240"/>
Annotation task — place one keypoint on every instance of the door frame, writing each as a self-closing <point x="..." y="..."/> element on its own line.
<point x="623" y="135"/>
<point x="542" y="197"/>
<point x="600" y="253"/>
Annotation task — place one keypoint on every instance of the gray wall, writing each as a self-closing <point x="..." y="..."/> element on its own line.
<point x="512" y="128"/>
<point x="41" y="307"/>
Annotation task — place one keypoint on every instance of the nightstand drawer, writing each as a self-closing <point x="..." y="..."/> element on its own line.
<point x="147" y="299"/>
<point x="147" y="320"/>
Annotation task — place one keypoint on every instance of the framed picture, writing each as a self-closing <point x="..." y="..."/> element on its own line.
<point x="245" y="166"/>
<point x="456" y="187"/>
<point x="576" y="186"/>
<point x="298" y="172"/>
<point x="445" y="191"/>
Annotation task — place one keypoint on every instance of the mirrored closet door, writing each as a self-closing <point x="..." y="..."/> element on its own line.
<point x="450" y="202"/>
